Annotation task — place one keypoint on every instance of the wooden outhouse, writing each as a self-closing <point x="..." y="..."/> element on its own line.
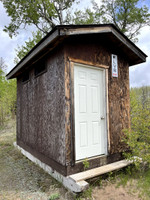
<point x="73" y="97"/>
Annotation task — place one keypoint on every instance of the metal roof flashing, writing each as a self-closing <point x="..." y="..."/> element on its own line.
<point x="63" y="31"/>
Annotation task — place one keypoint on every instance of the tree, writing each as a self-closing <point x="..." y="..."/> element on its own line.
<point x="2" y="65"/>
<point x="43" y="14"/>
<point x="7" y="95"/>
<point x="21" y="51"/>
<point x="127" y="15"/>
<point x="138" y="137"/>
<point x="88" y="16"/>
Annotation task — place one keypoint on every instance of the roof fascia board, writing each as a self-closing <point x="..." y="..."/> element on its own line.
<point x="129" y="45"/>
<point x="65" y="31"/>
<point x="110" y="29"/>
<point x="45" y="43"/>
<point x="84" y="30"/>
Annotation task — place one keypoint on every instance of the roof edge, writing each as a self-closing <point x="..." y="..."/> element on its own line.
<point x="68" y="30"/>
<point x="34" y="51"/>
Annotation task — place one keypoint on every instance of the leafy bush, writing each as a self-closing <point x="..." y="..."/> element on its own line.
<point x="54" y="196"/>
<point x="138" y="136"/>
<point x="7" y="96"/>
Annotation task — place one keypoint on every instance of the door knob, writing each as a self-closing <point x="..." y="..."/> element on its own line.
<point x="102" y="117"/>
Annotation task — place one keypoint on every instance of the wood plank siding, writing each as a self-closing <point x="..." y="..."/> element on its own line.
<point x="41" y="110"/>
<point x="98" y="52"/>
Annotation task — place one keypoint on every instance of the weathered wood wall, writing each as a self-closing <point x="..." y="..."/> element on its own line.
<point x="44" y="111"/>
<point x="98" y="50"/>
<point x="41" y="111"/>
<point x="119" y="106"/>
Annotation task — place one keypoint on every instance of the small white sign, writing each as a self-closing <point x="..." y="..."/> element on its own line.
<point x="114" y="60"/>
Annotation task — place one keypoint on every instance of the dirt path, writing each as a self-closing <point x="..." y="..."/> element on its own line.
<point x="20" y="179"/>
<point x="112" y="192"/>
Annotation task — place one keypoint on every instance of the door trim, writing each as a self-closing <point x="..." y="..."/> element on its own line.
<point x="82" y="62"/>
<point x="72" y="112"/>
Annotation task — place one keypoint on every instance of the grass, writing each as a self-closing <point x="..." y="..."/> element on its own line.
<point x="54" y="196"/>
<point x="136" y="182"/>
<point x="86" y="194"/>
<point x="141" y="177"/>
<point x="144" y="184"/>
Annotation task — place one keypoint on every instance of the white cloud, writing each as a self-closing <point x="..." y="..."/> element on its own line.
<point x="4" y="18"/>
<point x="8" y="46"/>
<point x="140" y="74"/>
<point x="7" y="49"/>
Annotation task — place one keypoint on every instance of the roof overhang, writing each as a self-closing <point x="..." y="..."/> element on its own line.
<point x="59" y="33"/>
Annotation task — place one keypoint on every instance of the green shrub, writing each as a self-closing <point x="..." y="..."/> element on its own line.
<point x="138" y="136"/>
<point x="86" y="164"/>
<point x="54" y="196"/>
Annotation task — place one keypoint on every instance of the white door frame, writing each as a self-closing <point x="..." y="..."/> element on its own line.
<point x="105" y="86"/>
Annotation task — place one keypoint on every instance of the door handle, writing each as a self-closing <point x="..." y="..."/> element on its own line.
<point x="102" y="117"/>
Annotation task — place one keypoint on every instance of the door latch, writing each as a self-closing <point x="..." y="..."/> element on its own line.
<point x="102" y="117"/>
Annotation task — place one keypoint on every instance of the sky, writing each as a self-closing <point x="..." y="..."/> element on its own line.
<point x="139" y="74"/>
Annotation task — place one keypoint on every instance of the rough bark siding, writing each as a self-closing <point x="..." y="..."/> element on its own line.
<point x="44" y="103"/>
<point x="119" y="105"/>
<point x="68" y="113"/>
<point x="41" y="109"/>
<point x="98" y="51"/>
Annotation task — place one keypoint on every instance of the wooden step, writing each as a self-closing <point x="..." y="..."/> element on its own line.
<point x="99" y="170"/>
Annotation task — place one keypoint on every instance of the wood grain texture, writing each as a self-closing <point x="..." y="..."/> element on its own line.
<point x="68" y="125"/>
<point x="78" y="61"/>
<point x="100" y="170"/>
<point x="41" y="109"/>
<point x="45" y="103"/>
<point x="94" y="162"/>
<point x="98" y="51"/>
<point x="119" y="106"/>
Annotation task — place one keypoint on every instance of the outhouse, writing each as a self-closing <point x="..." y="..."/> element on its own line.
<point x="73" y="97"/>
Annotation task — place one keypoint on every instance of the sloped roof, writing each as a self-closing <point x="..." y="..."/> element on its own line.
<point x="59" y="33"/>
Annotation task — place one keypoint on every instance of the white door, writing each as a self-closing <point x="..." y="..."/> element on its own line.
<point x="90" y="115"/>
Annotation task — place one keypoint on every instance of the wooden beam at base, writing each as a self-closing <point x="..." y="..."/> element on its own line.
<point x="76" y="183"/>
<point x="99" y="170"/>
<point x="69" y="183"/>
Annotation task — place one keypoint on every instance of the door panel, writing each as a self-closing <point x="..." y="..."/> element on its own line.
<point x="95" y="133"/>
<point x="89" y="101"/>
<point x="83" y="98"/>
<point x="94" y="99"/>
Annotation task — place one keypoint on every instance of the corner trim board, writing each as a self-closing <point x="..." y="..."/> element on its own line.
<point x="72" y="117"/>
<point x="107" y="112"/>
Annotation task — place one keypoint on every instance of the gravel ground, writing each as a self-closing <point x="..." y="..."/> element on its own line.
<point x="20" y="179"/>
